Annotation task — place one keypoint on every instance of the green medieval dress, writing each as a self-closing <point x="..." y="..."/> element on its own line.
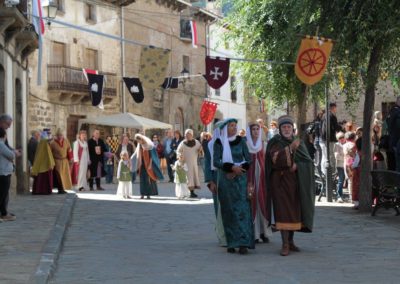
<point x="232" y="195"/>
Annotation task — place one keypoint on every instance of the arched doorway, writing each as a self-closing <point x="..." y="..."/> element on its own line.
<point x="18" y="127"/>
<point x="178" y="121"/>
<point x="2" y="90"/>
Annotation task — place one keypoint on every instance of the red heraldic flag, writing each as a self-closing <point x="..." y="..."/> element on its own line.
<point x="217" y="71"/>
<point x="207" y="112"/>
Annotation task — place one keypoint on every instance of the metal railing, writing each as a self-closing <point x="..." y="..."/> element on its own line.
<point x="66" y="78"/>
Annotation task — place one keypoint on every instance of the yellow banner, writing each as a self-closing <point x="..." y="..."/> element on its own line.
<point x="312" y="60"/>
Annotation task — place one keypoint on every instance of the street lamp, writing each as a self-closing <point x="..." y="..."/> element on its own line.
<point x="50" y="10"/>
<point x="185" y="73"/>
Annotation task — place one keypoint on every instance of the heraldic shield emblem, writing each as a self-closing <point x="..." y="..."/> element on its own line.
<point x="217" y="71"/>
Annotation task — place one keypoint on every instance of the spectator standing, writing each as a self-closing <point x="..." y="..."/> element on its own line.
<point x="32" y="146"/>
<point x="334" y="128"/>
<point x="109" y="161"/>
<point x="339" y="157"/>
<point x="160" y="152"/>
<point x="273" y="129"/>
<point x="168" y="153"/>
<point x="174" y="145"/>
<point x="7" y="157"/>
<point x="316" y="131"/>
<point x="393" y="125"/>
<point x="97" y="148"/>
<point x="349" y="153"/>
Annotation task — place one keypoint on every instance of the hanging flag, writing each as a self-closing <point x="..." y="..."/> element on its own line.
<point x="153" y="66"/>
<point x="38" y="23"/>
<point x="170" y="83"/>
<point x="217" y="71"/>
<point x="89" y="71"/>
<point x="96" y="83"/>
<point x="193" y="28"/>
<point x="207" y="112"/>
<point x="312" y="59"/>
<point x="135" y="89"/>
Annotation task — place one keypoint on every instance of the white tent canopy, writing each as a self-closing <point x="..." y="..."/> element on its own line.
<point x="126" y="120"/>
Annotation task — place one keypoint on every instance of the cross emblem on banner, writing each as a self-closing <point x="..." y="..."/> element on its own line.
<point x="135" y="89"/>
<point x="215" y="73"/>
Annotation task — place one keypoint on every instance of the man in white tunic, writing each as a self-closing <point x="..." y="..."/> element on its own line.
<point x="190" y="149"/>
<point x="81" y="160"/>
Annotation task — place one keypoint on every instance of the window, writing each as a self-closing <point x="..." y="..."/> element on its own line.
<point x="186" y="30"/>
<point x="233" y="89"/>
<point x="91" y="59"/>
<point x="186" y="63"/>
<point x="218" y="92"/>
<point x="90" y="13"/>
<point x="58" y="53"/>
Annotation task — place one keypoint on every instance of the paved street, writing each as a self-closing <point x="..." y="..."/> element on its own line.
<point x="165" y="240"/>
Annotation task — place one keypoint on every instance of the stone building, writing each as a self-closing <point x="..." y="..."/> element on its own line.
<point x="166" y="24"/>
<point x="63" y="97"/>
<point x="18" y="39"/>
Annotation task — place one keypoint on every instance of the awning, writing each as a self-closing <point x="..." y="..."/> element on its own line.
<point x="126" y="120"/>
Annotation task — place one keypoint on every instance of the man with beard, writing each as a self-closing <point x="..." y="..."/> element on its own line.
<point x="290" y="182"/>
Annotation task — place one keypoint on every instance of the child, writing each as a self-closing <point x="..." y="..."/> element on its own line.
<point x="339" y="157"/>
<point x="124" y="176"/>
<point x="180" y="168"/>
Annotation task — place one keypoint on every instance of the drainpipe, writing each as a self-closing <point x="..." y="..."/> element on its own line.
<point x="122" y="27"/>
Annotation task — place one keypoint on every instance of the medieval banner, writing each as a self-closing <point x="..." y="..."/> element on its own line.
<point x="217" y="71"/>
<point x="312" y="59"/>
<point x="207" y="112"/>
<point x="153" y="66"/>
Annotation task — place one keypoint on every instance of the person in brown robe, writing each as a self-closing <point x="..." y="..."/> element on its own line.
<point x="290" y="184"/>
<point x="62" y="153"/>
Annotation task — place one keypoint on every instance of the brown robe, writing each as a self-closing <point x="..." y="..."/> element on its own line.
<point x="62" y="153"/>
<point x="284" y="190"/>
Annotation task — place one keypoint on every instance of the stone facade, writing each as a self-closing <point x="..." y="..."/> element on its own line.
<point x="62" y="98"/>
<point x="17" y="40"/>
<point x="158" y="23"/>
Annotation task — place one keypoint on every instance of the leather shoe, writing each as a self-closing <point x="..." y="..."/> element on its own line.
<point x="100" y="188"/>
<point x="231" y="250"/>
<point x="285" y="250"/>
<point x="293" y="247"/>
<point x="243" y="250"/>
<point x="62" y="192"/>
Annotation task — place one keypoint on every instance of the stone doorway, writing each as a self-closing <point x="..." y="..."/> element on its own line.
<point x="72" y="126"/>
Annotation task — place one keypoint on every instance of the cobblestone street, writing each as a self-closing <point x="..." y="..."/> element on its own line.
<point x="164" y="240"/>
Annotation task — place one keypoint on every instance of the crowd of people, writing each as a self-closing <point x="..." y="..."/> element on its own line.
<point x="261" y="178"/>
<point x="345" y="148"/>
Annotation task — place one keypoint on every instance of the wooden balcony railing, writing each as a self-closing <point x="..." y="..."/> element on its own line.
<point x="71" y="79"/>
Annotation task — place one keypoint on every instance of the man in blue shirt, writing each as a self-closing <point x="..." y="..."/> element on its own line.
<point x="168" y="153"/>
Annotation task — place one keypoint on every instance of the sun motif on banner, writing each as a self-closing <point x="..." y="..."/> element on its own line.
<point x="207" y="112"/>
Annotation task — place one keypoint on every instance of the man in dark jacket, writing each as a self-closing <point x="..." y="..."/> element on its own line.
<point x="97" y="148"/>
<point x="334" y="127"/>
<point x="32" y="145"/>
<point x="393" y="123"/>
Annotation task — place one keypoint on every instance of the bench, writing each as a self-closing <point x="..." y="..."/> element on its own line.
<point x="385" y="190"/>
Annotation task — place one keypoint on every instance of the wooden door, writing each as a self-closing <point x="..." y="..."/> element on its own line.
<point x="72" y="127"/>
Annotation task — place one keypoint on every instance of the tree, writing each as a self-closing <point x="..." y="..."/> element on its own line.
<point x="269" y="30"/>
<point x="368" y="36"/>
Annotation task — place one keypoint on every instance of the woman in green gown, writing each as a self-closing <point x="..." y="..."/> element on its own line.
<point x="231" y="157"/>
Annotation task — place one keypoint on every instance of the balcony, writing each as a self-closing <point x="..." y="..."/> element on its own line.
<point x="120" y="2"/>
<point x="70" y="83"/>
